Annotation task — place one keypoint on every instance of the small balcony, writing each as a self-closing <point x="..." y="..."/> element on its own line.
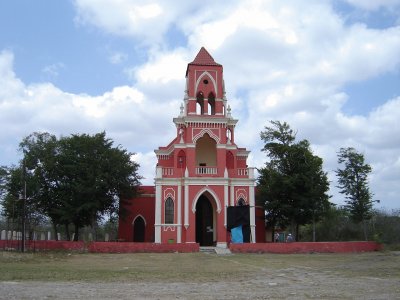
<point x="243" y="172"/>
<point x="206" y="170"/>
<point x="168" y="171"/>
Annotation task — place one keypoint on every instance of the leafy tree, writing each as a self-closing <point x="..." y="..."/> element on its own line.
<point x="41" y="153"/>
<point x="353" y="182"/>
<point x="94" y="177"/>
<point x="15" y="210"/>
<point x="292" y="182"/>
<point x="75" y="179"/>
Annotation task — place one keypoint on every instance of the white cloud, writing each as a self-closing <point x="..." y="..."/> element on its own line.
<point x="282" y="61"/>
<point x="147" y="21"/>
<point x="147" y="162"/>
<point x="125" y="113"/>
<point x="162" y="68"/>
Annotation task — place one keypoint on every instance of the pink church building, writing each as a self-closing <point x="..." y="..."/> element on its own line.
<point x="199" y="174"/>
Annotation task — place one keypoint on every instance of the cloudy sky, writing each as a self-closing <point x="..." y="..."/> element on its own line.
<point x="329" y="68"/>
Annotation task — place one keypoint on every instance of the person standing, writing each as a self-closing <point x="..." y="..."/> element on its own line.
<point x="276" y="237"/>
<point x="289" y="238"/>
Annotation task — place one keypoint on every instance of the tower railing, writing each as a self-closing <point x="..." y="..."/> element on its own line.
<point x="168" y="171"/>
<point x="243" y="172"/>
<point x="206" y="170"/>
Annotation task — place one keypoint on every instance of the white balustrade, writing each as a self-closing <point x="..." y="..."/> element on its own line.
<point x="206" y="170"/>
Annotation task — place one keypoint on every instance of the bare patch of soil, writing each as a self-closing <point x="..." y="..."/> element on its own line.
<point x="200" y="276"/>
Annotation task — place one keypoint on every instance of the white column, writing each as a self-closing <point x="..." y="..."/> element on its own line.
<point x="226" y="195"/>
<point x="252" y="214"/>
<point x="157" y="227"/>
<point x="232" y="195"/>
<point x="179" y="237"/>
<point x="186" y="205"/>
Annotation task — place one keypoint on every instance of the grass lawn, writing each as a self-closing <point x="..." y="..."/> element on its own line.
<point x="171" y="267"/>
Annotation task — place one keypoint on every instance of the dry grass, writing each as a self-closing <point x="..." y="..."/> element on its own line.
<point x="191" y="267"/>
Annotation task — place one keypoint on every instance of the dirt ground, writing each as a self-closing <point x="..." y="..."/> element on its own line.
<point x="200" y="276"/>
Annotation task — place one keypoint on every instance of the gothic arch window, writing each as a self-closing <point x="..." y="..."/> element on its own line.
<point x="181" y="160"/>
<point x="241" y="202"/>
<point x="200" y="104"/>
<point x="139" y="229"/>
<point x="211" y="103"/>
<point x="169" y="211"/>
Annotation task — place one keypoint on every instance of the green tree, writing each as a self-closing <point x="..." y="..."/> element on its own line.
<point x="94" y="177"/>
<point x="41" y="153"/>
<point x="353" y="183"/>
<point x="15" y="209"/>
<point x="75" y="179"/>
<point x="292" y="182"/>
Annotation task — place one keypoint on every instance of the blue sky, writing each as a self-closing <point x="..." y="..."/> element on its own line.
<point x="330" y="68"/>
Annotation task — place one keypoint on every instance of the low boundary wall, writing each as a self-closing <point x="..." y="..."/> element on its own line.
<point x="99" y="247"/>
<point x="126" y="247"/>
<point x="42" y="245"/>
<point x="306" y="247"/>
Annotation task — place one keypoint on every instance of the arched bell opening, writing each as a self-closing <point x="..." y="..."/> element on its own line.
<point x="200" y="103"/>
<point x="211" y="103"/>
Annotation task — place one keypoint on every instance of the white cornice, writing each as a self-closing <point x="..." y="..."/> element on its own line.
<point x="206" y="181"/>
<point x="205" y="119"/>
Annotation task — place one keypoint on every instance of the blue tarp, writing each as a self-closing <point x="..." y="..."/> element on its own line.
<point x="237" y="235"/>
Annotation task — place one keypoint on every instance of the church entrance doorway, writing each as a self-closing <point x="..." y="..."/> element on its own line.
<point x="138" y="230"/>
<point x="204" y="222"/>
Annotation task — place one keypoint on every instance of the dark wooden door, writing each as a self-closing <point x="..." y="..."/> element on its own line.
<point x="138" y="230"/>
<point x="204" y="222"/>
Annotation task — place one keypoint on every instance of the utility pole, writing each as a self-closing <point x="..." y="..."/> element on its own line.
<point x="23" y="198"/>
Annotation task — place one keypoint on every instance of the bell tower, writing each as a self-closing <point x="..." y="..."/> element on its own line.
<point x="202" y="171"/>
<point x="204" y="93"/>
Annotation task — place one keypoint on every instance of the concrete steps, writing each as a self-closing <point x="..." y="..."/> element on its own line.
<point x="215" y="250"/>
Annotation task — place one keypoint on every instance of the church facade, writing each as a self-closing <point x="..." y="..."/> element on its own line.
<point x="199" y="174"/>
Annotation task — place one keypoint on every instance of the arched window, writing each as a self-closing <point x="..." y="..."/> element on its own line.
<point x="200" y="104"/>
<point x="181" y="163"/>
<point x="169" y="211"/>
<point x="139" y="227"/>
<point x="241" y="202"/>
